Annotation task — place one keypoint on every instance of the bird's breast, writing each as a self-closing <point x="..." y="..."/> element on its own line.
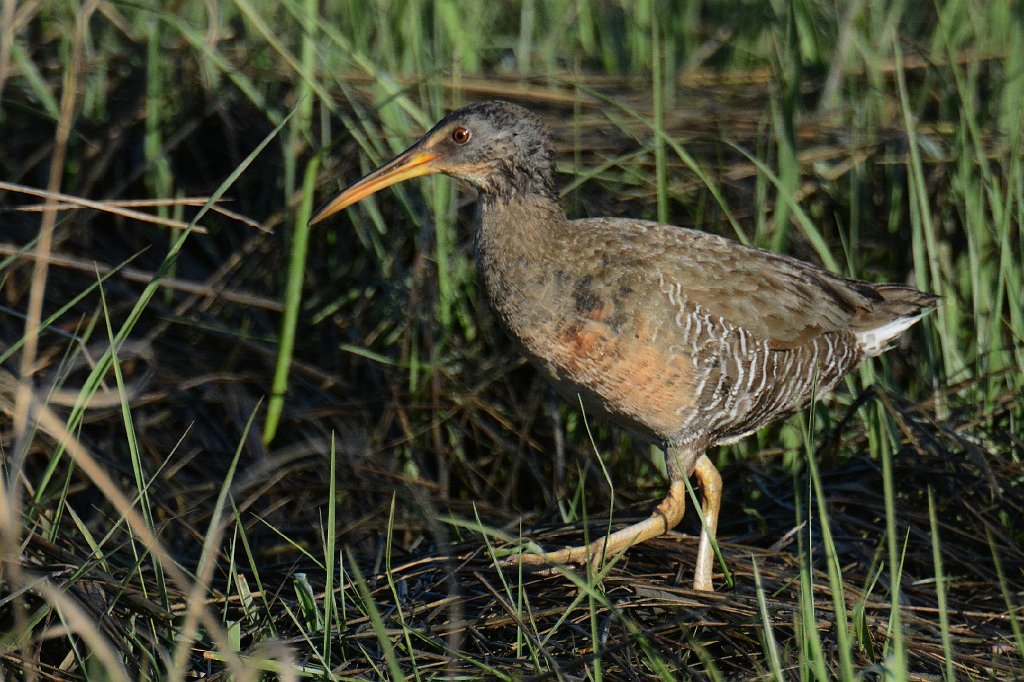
<point x="599" y="342"/>
<point x="622" y="370"/>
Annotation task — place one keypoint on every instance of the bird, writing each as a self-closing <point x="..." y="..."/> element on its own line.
<point x="686" y="339"/>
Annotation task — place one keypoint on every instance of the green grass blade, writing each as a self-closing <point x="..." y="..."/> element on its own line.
<point x="292" y="304"/>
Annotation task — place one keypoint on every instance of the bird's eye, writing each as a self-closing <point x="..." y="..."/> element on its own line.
<point x="460" y="135"/>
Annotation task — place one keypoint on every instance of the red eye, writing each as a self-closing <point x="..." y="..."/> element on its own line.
<point x="460" y="135"/>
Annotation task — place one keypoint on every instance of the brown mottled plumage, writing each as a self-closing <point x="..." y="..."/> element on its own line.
<point x="684" y="338"/>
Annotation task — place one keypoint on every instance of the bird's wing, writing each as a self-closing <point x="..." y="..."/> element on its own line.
<point x="775" y="298"/>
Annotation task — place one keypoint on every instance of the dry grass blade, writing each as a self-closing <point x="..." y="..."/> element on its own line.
<point x="207" y="291"/>
<point x="112" y="207"/>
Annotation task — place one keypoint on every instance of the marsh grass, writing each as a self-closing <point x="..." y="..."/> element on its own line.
<point x="240" y="452"/>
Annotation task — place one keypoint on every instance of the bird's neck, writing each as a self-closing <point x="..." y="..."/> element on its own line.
<point x="522" y="226"/>
<point x="518" y="245"/>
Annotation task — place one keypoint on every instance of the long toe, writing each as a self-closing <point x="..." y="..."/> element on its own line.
<point x="666" y="517"/>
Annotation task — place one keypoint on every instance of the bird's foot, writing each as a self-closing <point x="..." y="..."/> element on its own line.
<point x="663" y="519"/>
<point x="666" y="517"/>
<point x="592" y="554"/>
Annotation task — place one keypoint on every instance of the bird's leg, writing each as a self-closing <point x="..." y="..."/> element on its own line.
<point x="711" y="484"/>
<point x="664" y="518"/>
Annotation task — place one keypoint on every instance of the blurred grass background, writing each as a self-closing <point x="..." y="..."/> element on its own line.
<point x="233" y="447"/>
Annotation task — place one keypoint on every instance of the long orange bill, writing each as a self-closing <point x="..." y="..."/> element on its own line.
<point x="411" y="163"/>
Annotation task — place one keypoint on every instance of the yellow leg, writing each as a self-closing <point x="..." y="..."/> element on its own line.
<point x="711" y="484"/>
<point x="663" y="519"/>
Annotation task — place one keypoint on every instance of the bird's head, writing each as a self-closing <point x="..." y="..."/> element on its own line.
<point x="500" y="148"/>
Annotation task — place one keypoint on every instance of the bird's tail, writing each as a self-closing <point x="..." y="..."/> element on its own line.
<point x="899" y="309"/>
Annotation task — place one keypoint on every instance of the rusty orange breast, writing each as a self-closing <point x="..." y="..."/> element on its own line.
<point x="622" y="369"/>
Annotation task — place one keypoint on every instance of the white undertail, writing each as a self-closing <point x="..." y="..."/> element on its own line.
<point x="877" y="340"/>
